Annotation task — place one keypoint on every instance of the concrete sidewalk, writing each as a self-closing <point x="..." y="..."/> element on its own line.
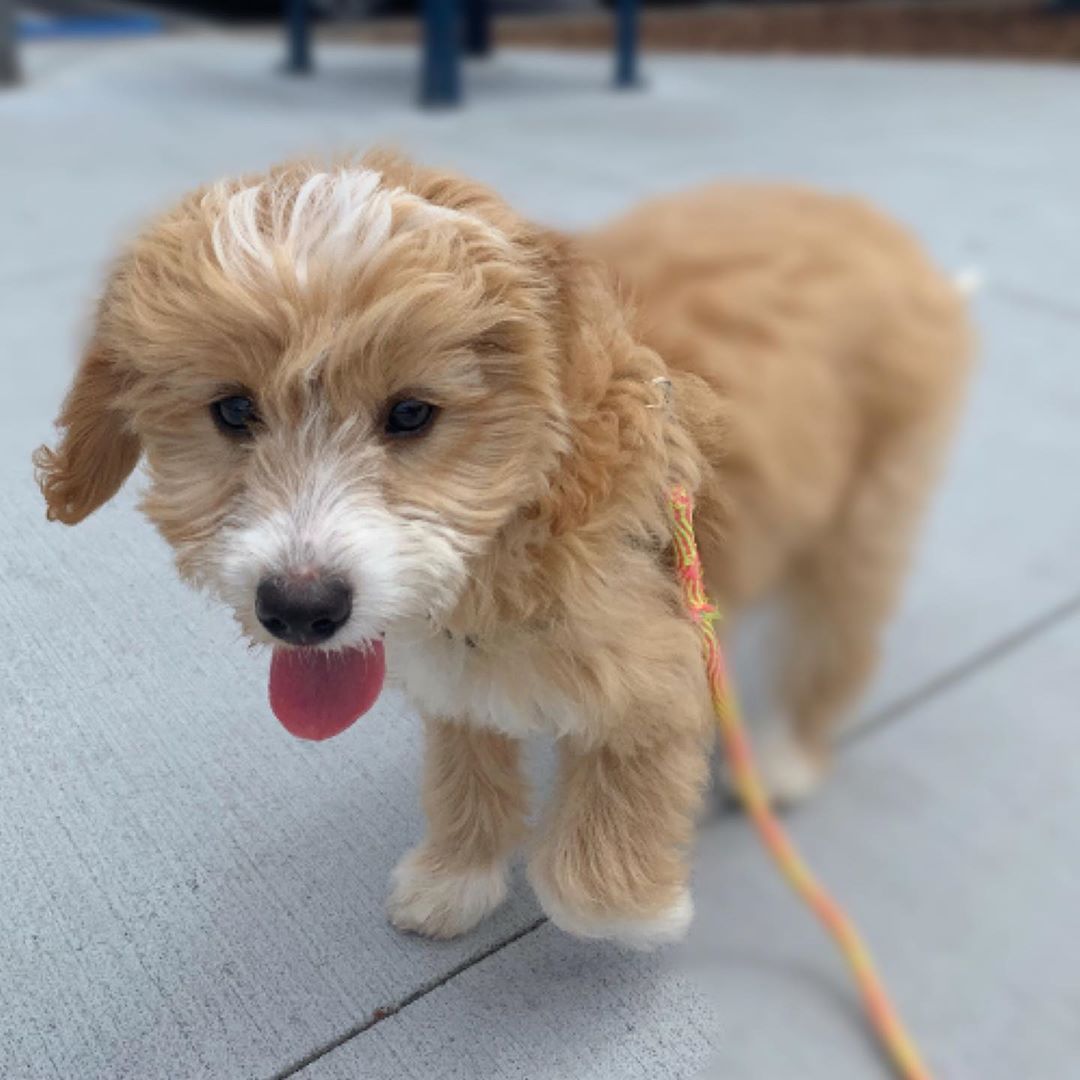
<point x="186" y="891"/>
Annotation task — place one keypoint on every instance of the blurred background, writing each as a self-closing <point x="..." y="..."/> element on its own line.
<point x="185" y="891"/>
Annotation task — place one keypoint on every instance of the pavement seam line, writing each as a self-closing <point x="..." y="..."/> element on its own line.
<point x="952" y="676"/>
<point x="384" y="1012"/>
<point x="1034" y="301"/>
<point x="959" y="672"/>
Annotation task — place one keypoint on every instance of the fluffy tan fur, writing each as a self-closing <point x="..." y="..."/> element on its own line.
<point x="815" y="358"/>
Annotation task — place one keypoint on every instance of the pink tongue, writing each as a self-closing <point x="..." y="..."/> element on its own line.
<point x="317" y="695"/>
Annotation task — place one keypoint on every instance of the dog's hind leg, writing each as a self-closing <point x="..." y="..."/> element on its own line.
<point x="475" y="801"/>
<point x="840" y="594"/>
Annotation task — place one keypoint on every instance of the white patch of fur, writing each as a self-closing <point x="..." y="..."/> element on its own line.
<point x="790" y="774"/>
<point x="446" y="677"/>
<point x="328" y="516"/>
<point x="442" y="905"/>
<point x="969" y="281"/>
<point x="664" y="928"/>
<point x="336" y="220"/>
<point x="339" y="218"/>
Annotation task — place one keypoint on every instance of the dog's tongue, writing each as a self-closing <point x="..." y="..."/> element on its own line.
<point x="317" y="695"/>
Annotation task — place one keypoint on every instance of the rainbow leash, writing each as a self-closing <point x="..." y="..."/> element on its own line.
<point x="883" y="1016"/>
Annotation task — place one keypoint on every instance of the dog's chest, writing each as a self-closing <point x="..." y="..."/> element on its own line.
<point x="455" y="678"/>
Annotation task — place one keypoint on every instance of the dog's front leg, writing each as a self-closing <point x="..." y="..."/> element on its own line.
<point x="612" y="861"/>
<point x="475" y="801"/>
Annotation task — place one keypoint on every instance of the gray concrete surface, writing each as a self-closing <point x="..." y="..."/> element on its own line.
<point x="186" y="891"/>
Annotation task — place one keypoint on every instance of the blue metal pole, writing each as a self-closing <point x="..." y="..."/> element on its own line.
<point x="478" y="27"/>
<point x="626" y="44"/>
<point x="298" y="30"/>
<point x="440" y="79"/>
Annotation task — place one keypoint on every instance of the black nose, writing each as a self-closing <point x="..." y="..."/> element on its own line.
<point x="303" y="610"/>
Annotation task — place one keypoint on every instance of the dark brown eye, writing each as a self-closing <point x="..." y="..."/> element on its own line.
<point x="234" y="415"/>
<point x="410" y="417"/>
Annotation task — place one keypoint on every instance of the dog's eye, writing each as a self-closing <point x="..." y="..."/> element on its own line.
<point x="234" y="415"/>
<point x="409" y="417"/>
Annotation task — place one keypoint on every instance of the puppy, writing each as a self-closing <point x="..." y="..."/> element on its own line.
<point x="381" y="413"/>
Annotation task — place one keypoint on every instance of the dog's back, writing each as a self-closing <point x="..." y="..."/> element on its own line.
<point x="817" y="356"/>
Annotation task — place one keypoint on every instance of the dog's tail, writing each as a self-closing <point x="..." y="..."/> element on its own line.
<point x="969" y="282"/>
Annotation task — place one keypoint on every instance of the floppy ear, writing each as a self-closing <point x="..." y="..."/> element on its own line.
<point x="97" y="448"/>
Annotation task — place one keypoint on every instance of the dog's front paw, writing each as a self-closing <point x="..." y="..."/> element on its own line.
<point x="427" y="899"/>
<point x="664" y="925"/>
<point x="643" y="932"/>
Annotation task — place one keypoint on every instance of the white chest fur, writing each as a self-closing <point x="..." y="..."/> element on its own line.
<point x="500" y="688"/>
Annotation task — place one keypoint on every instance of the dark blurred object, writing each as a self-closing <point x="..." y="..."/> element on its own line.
<point x="347" y="10"/>
<point x="261" y="10"/>
<point x="9" y="60"/>
<point x="446" y="27"/>
<point x="227" y="10"/>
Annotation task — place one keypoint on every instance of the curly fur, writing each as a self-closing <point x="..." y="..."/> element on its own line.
<point x="521" y="575"/>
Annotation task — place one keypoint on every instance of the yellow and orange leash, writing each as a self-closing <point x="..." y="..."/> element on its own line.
<point x="883" y="1016"/>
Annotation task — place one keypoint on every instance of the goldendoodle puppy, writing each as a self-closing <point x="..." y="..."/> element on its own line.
<point x="389" y="421"/>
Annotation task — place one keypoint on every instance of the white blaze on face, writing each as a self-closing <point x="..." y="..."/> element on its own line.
<point x="335" y="222"/>
<point x="318" y="509"/>
<point x="339" y="218"/>
<point x="314" y="503"/>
